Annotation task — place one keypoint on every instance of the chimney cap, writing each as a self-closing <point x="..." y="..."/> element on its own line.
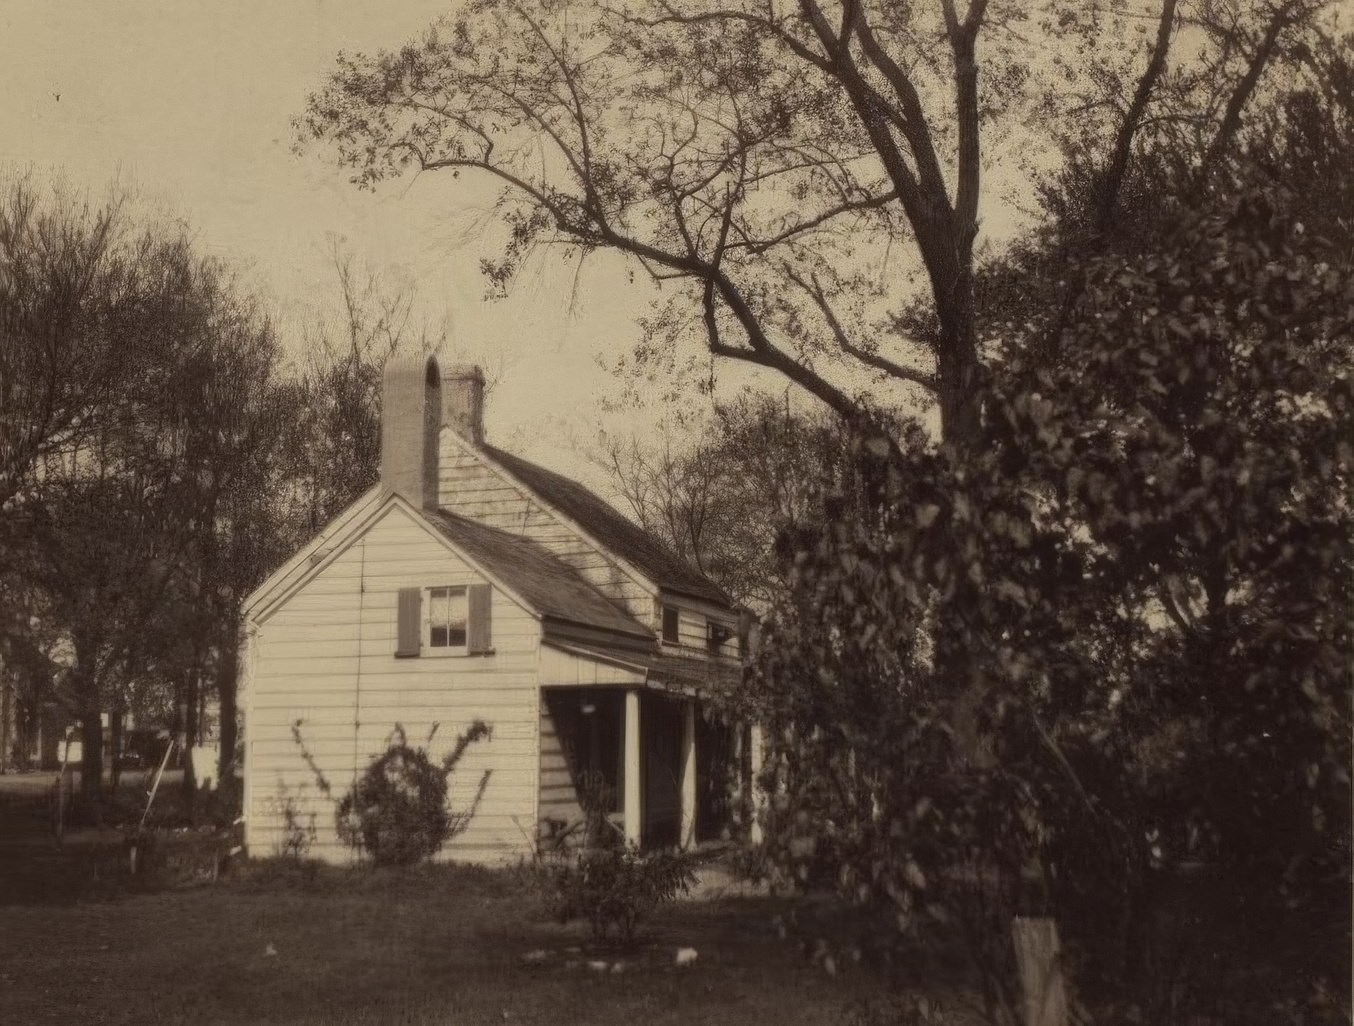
<point x="463" y="401"/>
<point x="402" y="368"/>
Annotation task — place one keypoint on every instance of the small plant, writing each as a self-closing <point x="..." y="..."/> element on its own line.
<point x="616" y="888"/>
<point x="397" y="811"/>
<point x="298" y="833"/>
<point x="899" y="1010"/>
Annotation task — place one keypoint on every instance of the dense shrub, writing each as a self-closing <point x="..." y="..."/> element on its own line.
<point x="616" y="888"/>
<point x="1106" y="656"/>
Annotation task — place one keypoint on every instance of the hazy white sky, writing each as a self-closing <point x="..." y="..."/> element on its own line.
<point x="191" y="103"/>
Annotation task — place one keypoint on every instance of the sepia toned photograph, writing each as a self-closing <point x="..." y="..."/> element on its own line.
<point x="676" y="512"/>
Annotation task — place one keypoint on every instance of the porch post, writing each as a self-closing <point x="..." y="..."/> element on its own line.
<point x="755" y="751"/>
<point x="633" y="812"/>
<point x="687" y="837"/>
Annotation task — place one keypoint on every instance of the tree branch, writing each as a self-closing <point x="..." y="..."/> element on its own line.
<point x="963" y="44"/>
<point x="758" y="246"/>
<point x="1236" y="103"/>
<point x="815" y="291"/>
<point x="579" y="117"/>
<point x="1128" y="128"/>
<point x="796" y="46"/>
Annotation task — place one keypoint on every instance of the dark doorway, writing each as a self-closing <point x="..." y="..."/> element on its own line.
<point x="661" y="756"/>
<point x="715" y="778"/>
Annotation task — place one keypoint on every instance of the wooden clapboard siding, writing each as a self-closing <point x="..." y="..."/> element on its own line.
<point x="472" y="488"/>
<point x="326" y="657"/>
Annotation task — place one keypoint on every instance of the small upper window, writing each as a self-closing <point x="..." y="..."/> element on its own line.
<point x="670" y="635"/>
<point x="445" y="620"/>
<point x="448" y="611"/>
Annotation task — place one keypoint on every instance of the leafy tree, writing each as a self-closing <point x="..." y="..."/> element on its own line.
<point x="115" y="504"/>
<point x="71" y="287"/>
<point x="231" y="410"/>
<point x="102" y="548"/>
<point x="1149" y="564"/>
<point x="931" y="681"/>
<point x="27" y="668"/>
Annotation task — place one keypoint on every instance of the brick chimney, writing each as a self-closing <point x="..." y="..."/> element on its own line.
<point x="411" y="419"/>
<point x="463" y="402"/>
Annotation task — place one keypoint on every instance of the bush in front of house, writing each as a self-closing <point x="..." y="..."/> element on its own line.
<point x="397" y="813"/>
<point x="616" y="888"/>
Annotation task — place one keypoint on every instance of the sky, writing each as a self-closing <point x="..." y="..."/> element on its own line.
<point x="190" y="103"/>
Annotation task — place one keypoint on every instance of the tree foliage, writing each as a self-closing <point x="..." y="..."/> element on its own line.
<point x="763" y="160"/>
<point x="140" y="417"/>
<point x="74" y="281"/>
<point x="1080" y="640"/>
<point x="1148" y="566"/>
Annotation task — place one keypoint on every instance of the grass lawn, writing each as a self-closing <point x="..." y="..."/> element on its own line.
<point x="437" y="945"/>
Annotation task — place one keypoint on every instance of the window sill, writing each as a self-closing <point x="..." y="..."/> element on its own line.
<point x="435" y="653"/>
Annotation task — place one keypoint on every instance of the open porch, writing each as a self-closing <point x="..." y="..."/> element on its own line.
<point x="644" y="755"/>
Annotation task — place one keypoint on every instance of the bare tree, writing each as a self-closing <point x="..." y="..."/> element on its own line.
<point x="759" y="469"/>
<point x="333" y="451"/>
<point x="69" y="282"/>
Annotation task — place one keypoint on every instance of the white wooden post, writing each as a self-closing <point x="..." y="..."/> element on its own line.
<point x="687" y="837"/>
<point x="633" y="812"/>
<point x="755" y="751"/>
<point x="1039" y="962"/>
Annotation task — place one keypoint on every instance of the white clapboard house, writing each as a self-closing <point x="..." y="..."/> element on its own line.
<point x="471" y="584"/>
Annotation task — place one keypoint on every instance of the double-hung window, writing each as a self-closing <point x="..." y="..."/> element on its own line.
<point x="445" y="619"/>
<point x="448" y="616"/>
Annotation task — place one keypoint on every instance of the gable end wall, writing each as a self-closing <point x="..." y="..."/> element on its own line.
<point x="326" y="657"/>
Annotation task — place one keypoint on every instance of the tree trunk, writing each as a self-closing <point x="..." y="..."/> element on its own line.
<point x="115" y="741"/>
<point x="91" y="758"/>
<point x="960" y="373"/>
<point x="26" y="731"/>
<point x="1039" y="962"/>
<point x="188" y="710"/>
<point x="227" y="683"/>
<point x="6" y="724"/>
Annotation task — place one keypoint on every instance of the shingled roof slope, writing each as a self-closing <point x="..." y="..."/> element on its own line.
<point x="550" y="586"/>
<point x="619" y="534"/>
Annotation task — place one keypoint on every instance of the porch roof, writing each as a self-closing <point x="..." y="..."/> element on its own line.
<point x="663" y="671"/>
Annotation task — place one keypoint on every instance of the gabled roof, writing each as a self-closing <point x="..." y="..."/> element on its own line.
<point x="537" y="580"/>
<point x="607" y="527"/>
<point x="314" y="554"/>
<point x="543" y="581"/>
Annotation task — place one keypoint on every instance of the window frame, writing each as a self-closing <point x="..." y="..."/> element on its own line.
<point x="664" y="611"/>
<point x="717" y="635"/>
<point x="427" y="621"/>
